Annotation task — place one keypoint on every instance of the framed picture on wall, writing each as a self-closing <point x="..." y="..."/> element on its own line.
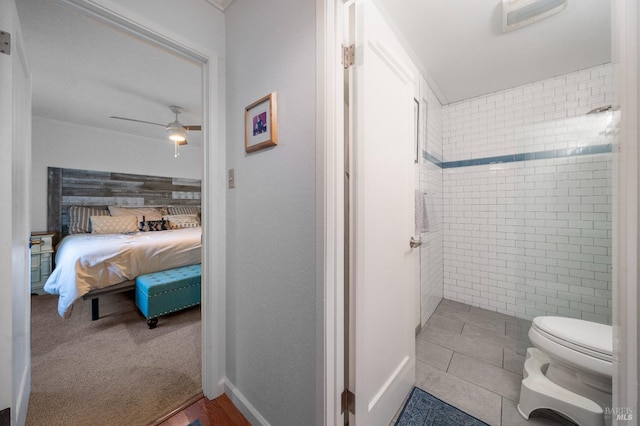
<point x="261" y="124"/>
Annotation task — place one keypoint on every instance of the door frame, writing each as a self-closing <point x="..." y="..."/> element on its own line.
<point x="626" y="295"/>
<point x="213" y="179"/>
<point x="332" y="33"/>
<point x="331" y="210"/>
<point x="15" y="176"/>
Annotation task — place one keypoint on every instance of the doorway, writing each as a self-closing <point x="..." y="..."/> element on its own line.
<point x="213" y="161"/>
<point x="626" y="295"/>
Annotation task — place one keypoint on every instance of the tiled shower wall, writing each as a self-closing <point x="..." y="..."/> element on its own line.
<point x="431" y="253"/>
<point x="527" y="198"/>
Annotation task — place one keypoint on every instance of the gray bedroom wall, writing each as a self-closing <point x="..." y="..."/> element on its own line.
<point x="60" y="144"/>
<point x="271" y="266"/>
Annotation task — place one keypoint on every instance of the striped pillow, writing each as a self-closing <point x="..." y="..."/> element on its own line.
<point x="143" y="213"/>
<point x="184" y="210"/>
<point x="79" y="222"/>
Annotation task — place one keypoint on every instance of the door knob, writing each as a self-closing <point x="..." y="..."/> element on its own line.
<point x="413" y="243"/>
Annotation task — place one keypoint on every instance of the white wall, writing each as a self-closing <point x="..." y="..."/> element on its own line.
<point x="193" y="20"/>
<point x="543" y="115"/>
<point x="67" y="145"/>
<point x="531" y="237"/>
<point x="271" y="253"/>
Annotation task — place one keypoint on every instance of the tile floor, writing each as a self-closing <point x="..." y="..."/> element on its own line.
<point x="472" y="358"/>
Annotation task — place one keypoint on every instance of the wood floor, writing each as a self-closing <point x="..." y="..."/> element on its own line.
<point x="219" y="412"/>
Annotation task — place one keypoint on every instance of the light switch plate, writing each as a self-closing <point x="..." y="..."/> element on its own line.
<point x="232" y="178"/>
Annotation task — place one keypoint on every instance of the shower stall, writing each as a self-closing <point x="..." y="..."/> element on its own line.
<point x="524" y="204"/>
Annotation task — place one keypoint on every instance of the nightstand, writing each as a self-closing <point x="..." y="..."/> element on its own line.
<point x="41" y="259"/>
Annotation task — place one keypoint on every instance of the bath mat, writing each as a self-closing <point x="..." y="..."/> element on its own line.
<point x="423" y="408"/>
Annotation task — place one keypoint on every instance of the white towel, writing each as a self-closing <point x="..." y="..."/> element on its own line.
<point x="422" y="217"/>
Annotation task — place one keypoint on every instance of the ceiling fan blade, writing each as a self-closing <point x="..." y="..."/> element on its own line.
<point x="190" y="128"/>
<point x="138" y="121"/>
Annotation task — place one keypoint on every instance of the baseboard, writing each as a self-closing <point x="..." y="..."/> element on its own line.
<point x="245" y="407"/>
<point x="22" y="403"/>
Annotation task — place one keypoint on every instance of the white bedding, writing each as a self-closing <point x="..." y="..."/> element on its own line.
<point x="86" y="262"/>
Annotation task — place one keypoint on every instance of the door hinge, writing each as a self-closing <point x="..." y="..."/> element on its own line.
<point x="348" y="402"/>
<point x="348" y="55"/>
<point x="5" y="43"/>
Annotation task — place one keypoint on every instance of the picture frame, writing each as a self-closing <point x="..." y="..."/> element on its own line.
<point x="261" y="124"/>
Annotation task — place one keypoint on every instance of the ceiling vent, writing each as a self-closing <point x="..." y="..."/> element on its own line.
<point x="519" y="13"/>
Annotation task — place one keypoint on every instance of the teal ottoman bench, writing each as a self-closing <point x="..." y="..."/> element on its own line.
<point x="160" y="293"/>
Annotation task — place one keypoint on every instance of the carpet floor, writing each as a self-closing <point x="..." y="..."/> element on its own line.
<point x="114" y="371"/>
<point x="422" y="408"/>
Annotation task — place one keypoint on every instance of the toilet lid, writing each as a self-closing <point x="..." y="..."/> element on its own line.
<point x="590" y="335"/>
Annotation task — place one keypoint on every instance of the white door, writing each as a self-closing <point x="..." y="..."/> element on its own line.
<point x="382" y="263"/>
<point x="15" y="193"/>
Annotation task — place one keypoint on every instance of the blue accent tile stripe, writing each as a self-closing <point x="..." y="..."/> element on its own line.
<point x="526" y="156"/>
<point x="431" y="158"/>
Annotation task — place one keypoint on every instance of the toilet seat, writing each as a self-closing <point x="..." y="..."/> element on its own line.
<point x="583" y="344"/>
<point x="587" y="337"/>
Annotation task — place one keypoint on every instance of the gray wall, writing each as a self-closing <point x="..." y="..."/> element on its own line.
<point x="271" y="266"/>
<point x="67" y="145"/>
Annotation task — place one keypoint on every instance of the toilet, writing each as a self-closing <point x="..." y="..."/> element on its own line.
<point x="568" y="370"/>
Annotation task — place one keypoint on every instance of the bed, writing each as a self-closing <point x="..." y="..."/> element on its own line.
<point x="86" y="263"/>
<point x="107" y="241"/>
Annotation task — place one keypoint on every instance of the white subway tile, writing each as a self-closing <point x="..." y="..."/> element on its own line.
<point x="541" y="225"/>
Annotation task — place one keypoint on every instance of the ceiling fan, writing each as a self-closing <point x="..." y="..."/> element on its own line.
<point x="176" y="130"/>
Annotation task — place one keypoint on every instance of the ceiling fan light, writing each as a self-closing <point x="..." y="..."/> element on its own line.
<point x="177" y="137"/>
<point x="177" y="133"/>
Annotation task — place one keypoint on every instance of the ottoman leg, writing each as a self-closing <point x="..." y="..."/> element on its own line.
<point x="152" y="322"/>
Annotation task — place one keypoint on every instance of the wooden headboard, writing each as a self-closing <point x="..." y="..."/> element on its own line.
<point x="71" y="187"/>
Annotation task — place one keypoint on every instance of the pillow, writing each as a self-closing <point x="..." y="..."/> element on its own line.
<point x="194" y="210"/>
<point x="143" y="213"/>
<point x="113" y="224"/>
<point x="182" y="221"/>
<point x="79" y="222"/>
<point x="154" y="225"/>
